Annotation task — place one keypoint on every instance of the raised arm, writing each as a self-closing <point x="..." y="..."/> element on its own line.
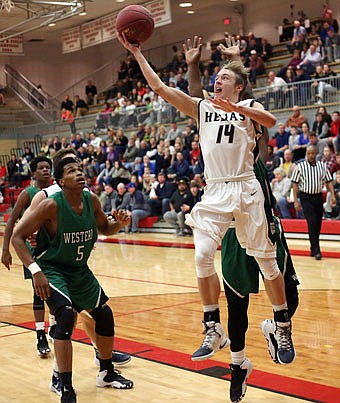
<point x="192" y="52"/>
<point x="177" y="98"/>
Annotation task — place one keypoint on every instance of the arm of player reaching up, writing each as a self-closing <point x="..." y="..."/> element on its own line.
<point x="256" y="112"/>
<point x="45" y="213"/>
<point x="192" y="52"/>
<point x="105" y="226"/>
<point x="22" y="203"/>
<point x="177" y="98"/>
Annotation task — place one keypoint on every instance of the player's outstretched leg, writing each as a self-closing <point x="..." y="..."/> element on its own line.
<point x="215" y="340"/>
<point x="239" y="375"/>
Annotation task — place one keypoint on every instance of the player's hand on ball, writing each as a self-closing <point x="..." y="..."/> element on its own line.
<point x="127" y="45"/>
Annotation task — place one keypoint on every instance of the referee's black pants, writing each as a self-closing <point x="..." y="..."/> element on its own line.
<point x="312" y="205"/>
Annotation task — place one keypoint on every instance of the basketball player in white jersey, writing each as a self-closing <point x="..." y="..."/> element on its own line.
<point x="227" y="138"/>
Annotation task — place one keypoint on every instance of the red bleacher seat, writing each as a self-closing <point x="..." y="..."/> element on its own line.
<point x="4" y="207"/>
<point x="148" y="222"/>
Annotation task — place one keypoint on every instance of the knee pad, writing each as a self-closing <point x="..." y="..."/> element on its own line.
<point x="103" y="317"/>
<point x="38" y="303"/>
<point x="65" y="323"/>
<point x="268" y="267"/>
<point x="205" y="266"/>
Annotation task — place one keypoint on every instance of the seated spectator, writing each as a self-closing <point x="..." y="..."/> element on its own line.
<point x="332" y="46"/>
<point x="300" y="148"/>
<point x="67" y="104"/>
<point x="328" y="158"/>
<point x="91" y="93"/>
<point x="121" y="190"/>
<point x="103" y="118"/>
<point x="294" y="140"/>
<point x="135" y="205"/>
<point x="120" y="174"/>
<point x="287" y="164"/>
<point x="146" y="163"/>
<point x="327" y="86"/>
<point x="130" y="154"/>
<point x="311" y="59"/>
<point x="148" y="183"/>
<point x="108" y="204"/>
<point x="292" y="64"/>
<point x="256" y="66"/>
<point x="206" y="80"/>
<point x="179" y="168"/>
<point x="326" y="117"/>
<point x="28" y="155"/>
<point x="147" y="134"/>
<point x="320" y="127"/>
<point x="336" y="166"/>
<point x="281" y="188"/>
<point x="152" y="149"/>
<point x="290" y="91"/>
<point x="272" y="162"/>
<point x="160" y="199"/>
<point x="181" y="203"/>
<point x="194" y="157"/>
<point x="333" y="211"/>
<point x="296" y="119"/>
<point x="266" y="50"/>
<point x="282" y="139"/>
<point x="81" y="107"/>
<point x="299" y="34"/>
<point x="106" y="174"/>
<point x="318" y="144"/>
<point x="302" y="90"/>
<point x="335" y="130"/>
<point x="120" y="142"/>
<point x="173" y="132"/>
<point x="100" y="159"/>
<point x="13" y="171"/>
<point x="275" y="89"/>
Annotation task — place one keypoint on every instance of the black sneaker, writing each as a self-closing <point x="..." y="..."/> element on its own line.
<point x="239" y="376"/>
<point x="43" y="348"/>
<point x="113" y="379"/>
<point x="55" y="385"/>
<point x="68" y="396"/>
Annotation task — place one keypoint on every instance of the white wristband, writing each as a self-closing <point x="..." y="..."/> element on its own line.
<point x="34" y="268"/>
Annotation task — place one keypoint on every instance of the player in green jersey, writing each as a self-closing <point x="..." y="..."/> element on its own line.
<point x="41" y="172"/>
<point x="70" y="219"/>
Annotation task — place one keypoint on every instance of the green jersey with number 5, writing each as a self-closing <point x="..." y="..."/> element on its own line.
<point x="76" y="234"/>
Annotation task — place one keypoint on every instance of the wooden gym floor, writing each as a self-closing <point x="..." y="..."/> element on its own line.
<point x="150" y="279"/>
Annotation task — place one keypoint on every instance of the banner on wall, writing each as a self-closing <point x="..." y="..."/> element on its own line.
<point x="91" y="33"/>
<point x="13" y="46"/>
<point x="71" y="40"/>
<point x="104" y="29"/>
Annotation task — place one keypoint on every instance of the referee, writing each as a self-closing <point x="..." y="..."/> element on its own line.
<point x="308" y="179"/>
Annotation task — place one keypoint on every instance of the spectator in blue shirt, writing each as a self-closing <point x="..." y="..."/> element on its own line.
<point x="282" y="141"/>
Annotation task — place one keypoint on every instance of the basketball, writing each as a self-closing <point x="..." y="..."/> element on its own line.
<point x="136" y="22"/>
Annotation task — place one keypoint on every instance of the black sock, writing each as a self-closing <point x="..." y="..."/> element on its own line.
<point x="106" y="365"/>
<point x="213" y="316"/>
<point x="281" y="316"/>
<point x="66" y="379"/>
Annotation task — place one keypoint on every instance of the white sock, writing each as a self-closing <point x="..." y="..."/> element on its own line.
<point x="237" y="357"/>
<point x="210" y="308"/>
<point x="55" y="365"/>
<point x="52" y="320"/>
<point x="40" y="325"/>
<point x="280" y="307"/>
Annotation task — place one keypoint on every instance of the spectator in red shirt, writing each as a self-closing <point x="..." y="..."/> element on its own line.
<point x="194" y="156"/>
<point x="335" y="130"/>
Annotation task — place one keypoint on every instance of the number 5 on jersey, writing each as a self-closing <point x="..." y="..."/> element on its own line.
<point x="80" y="253"/>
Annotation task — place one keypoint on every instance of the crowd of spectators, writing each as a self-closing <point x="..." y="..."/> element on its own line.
<point x="288" y="148"/>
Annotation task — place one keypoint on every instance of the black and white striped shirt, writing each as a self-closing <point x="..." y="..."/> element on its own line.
<point x="311" y="178"/>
